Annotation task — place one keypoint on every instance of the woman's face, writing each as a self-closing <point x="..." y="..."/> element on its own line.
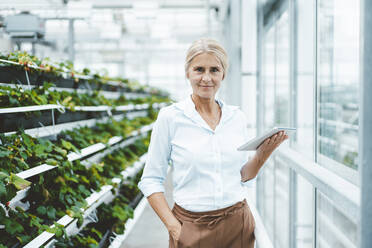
<point x="205" y="74"/>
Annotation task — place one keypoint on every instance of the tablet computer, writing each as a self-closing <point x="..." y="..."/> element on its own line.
<point x="253" y="144"/>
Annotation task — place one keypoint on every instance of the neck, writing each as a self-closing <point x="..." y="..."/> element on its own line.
<point x="204" y="105"/>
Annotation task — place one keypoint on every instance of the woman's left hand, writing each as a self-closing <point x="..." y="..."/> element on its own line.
<point x="269" y="145"/>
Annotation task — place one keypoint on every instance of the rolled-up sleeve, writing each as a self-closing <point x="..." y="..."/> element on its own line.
<point x="249" y="183"/>
<point x="155" y="170"/>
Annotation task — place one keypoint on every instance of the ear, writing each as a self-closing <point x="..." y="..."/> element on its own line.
<point x="187" y="75"/>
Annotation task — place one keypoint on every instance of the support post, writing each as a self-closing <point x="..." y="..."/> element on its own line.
<point x="71" y="40"/>
<point x="365" y="124"/>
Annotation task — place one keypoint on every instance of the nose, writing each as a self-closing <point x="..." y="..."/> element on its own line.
<point x="206" y="77"/>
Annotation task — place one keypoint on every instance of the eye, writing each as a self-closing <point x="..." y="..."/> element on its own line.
<point x="214" y="69"/>
<point x="199" y="69"/>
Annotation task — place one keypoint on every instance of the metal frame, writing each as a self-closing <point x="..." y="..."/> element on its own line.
<point x="292" y="119"/>
<point x="259" y="97"/>
<point x="365" y="123"/>
<point x="315" y="134"/>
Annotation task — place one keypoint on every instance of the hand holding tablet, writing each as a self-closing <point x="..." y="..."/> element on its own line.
<point x="256" y="142"/>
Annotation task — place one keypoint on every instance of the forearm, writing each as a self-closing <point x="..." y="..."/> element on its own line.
<point x="251" y="168"/>
<point x="161" y="208"/>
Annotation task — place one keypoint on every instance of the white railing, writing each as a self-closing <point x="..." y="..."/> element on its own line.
<point x="260" y="233"/>
<point x="345" y="194"/>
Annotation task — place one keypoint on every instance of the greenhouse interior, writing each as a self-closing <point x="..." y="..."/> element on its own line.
<point x="89" y="88"/>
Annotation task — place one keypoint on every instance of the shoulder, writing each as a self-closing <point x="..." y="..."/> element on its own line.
<point x="235" y="113"/>
<point x="233" y="109"/>
<point x="169" y="112"/>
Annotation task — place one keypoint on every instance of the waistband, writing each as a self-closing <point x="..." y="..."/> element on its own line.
<point x="210" y="218"/>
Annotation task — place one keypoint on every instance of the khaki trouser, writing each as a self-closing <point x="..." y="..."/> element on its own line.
<point x="230" y="227"/>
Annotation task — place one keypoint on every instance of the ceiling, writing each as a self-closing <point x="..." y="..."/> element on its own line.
<point x="140" y="39"/>
<point x="127" y="22"/>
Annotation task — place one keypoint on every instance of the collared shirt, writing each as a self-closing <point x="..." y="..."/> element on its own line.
<point x="206" y="174"/>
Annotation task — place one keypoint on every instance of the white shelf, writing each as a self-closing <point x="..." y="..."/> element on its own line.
<point x="107" y="94"/>
<point x="40" y="132"/>
<point x="125" y="107"/>
<point x="100" y="108"/>
<point x="30" y="108"/>
<point x="36" y="170"/>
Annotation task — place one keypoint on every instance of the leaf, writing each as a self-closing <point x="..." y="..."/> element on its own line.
<point x="3" y="175"/>
<point x="59" y="232"/>
<point x="68" y="145"/>
<point x="23" y="239"/>
<point x="61" y="151"/>
<point x="41" y="210"/>
<point x="4" y="152"/>
<point x="51" y="161"/>
<point x="99" y="234"/>
<point x="66" y="100"/>
<point x="18" y="182"/>
<point x="11" y="192"/>
<point x="12" y="227"/>
<point x="2" y="189"/>
<point x="27" y="140"/>
<point x="51" y="212"/>
<point x="21" y="163"/>
<point x="39" y="150"/>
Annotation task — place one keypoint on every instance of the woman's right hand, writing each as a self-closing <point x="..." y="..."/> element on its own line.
<point x="174" y="230"/>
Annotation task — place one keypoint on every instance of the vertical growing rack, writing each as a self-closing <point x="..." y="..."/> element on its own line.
<point x="51" y="120"/>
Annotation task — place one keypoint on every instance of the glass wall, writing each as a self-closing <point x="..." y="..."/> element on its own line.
<point x="282" y="71"/>
<point x="338" y="72"/>
<point x="335" y="228"/>
<point x="337" y="136"/>
<point x="269" y="77"/>
<point x="310" y="69"/>
<point x="304" y="77"/>
<point x="304" y="89"/>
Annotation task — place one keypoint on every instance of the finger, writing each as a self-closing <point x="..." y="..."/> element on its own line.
<point x="273" y="139"/>
<point x="283" y="137"/>
<point x="264" y="143"/>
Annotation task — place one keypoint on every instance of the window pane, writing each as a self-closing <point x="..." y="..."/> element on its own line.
<point x="268" y="197"/>
<point x="269" y="77"/>
<point x="282" y="72"/>
<point x="305" y="213"/>
<point x="281" y="204"/>
<point x="334" y="227"/>
<point x="338" y="71"/>
<point x="304" y="78"/>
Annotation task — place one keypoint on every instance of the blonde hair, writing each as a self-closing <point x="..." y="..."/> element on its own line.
<point x="207" y="45"/>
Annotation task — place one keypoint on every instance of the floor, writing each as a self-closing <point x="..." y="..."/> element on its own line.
<point x="156" y="235"/>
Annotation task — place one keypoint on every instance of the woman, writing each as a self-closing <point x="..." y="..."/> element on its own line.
<point x="199" y="137"/>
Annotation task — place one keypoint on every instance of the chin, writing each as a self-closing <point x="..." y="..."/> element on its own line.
<point x="205" y="95"/>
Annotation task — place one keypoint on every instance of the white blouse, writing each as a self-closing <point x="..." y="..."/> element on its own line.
<point x="206" y="163"/>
